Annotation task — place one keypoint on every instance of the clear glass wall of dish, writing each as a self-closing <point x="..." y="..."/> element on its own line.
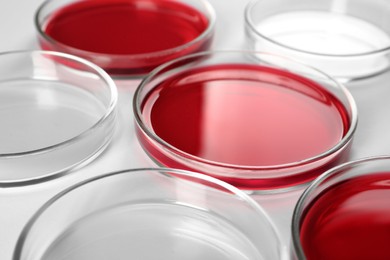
<point x="150" y="214"/>
<point x="57" y="113"/>
<point x="348" y="40"/>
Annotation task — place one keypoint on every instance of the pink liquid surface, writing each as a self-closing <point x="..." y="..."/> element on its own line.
<point x="126" y="27"/>
<point x="244" y="115"/>
<point x="350" y="220"/>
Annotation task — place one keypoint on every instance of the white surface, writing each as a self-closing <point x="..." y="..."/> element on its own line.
<point x="17" y="204"/>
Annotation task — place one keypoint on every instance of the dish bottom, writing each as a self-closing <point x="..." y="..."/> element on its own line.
<point x="151" y="231"/>
<point x="37" y="114"/>
<point x="331" y="42"/>
<point x="45" y="128"/>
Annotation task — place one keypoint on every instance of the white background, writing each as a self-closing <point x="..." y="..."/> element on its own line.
<point x="17" y="32"/>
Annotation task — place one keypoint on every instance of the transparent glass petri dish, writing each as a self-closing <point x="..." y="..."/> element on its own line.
<point x="345" y="213"/>
<point x="348" y="40"/>
<point x="57" y="113"/>
<point x="258" y="121"/>
<point x="126" y="37"/>
<point x="150" y="214"/>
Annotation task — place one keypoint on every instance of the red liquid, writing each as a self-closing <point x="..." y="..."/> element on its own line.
<point x="126" y="27"/>
<point x="244" y="115"/>
<point x="350" y="220"/>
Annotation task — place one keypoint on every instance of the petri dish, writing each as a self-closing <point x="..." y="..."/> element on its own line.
<point x="150" y="214"/>
<point x="345" y="213"/>
<point x="348" y="40"/>
<point x="126" y="37"/>
<point x="260" y="124"/>
<point x="57" y="113"/>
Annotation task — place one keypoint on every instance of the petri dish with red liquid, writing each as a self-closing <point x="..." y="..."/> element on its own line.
<point x="261" y="125"/>
<point x="126" y="37"/>
<point x="348" y="40"/>
<point x="152" y="213"/>
<point x="57" y="114"/>
<point x="345" y="213"/>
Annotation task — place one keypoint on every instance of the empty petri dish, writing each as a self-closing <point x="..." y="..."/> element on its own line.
<point x="345" y="213"/>
<point x="57" y="112"/>
<point x="257" y="124"/>
<point x="348" y="40"/>
<point x="126" y="37"/>
<point x="150" y="214"/>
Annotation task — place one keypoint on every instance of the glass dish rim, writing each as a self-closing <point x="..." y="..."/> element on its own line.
<point x="244" y="197"/>
<point x="206" y="33"/>
<point x="184" y="155"/>
<point x="299" y="206"/>
<point x="250" y="25"/>
<point x="109" y="110"/>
